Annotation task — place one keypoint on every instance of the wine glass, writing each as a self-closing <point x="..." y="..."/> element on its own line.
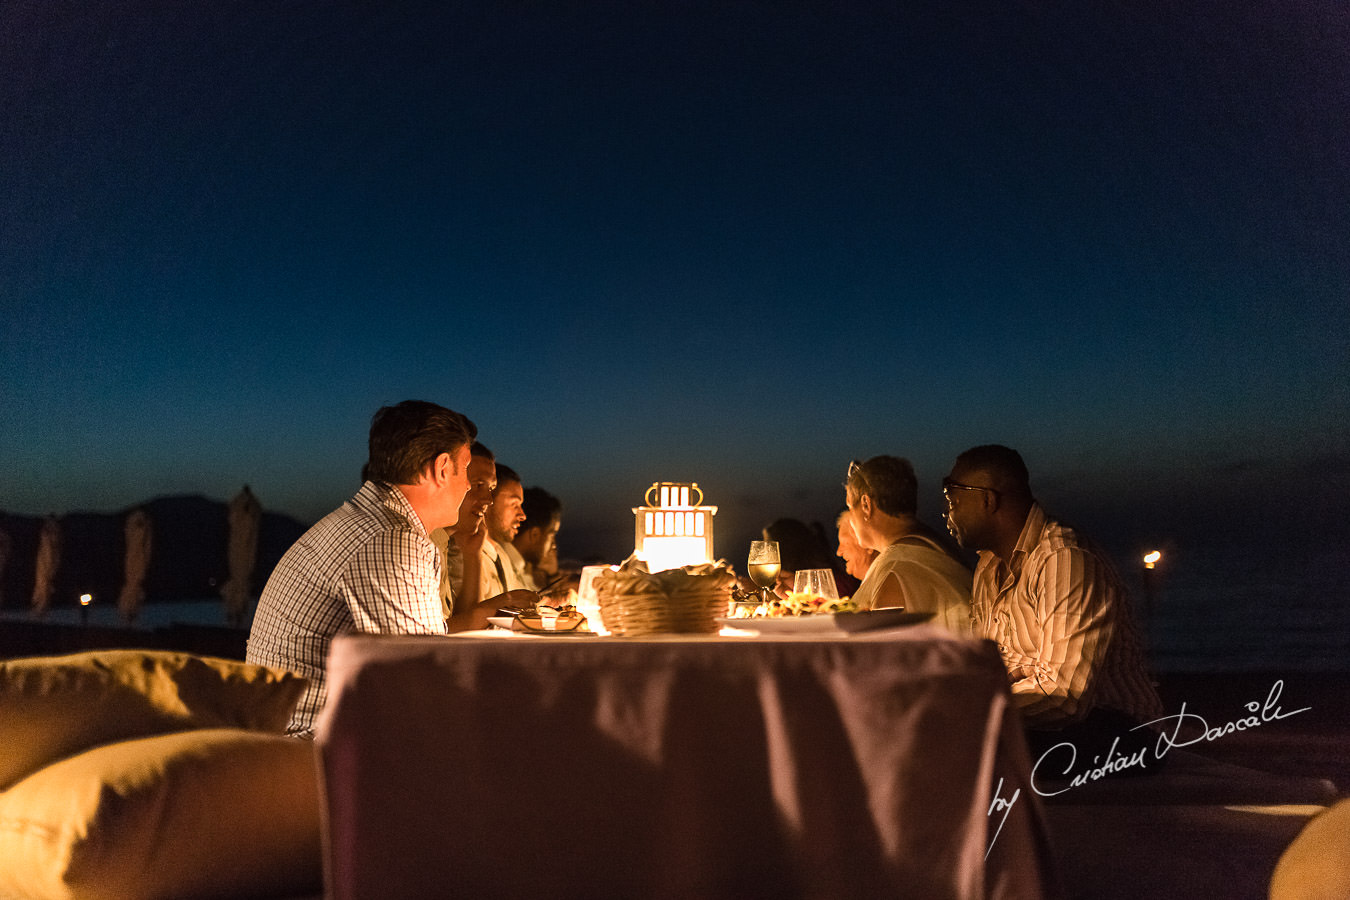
<point x="764" y="565"/>
<point x="816" y="583"/>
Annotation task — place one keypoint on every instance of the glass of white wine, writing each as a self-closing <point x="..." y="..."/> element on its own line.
<point x="764" y="564"/>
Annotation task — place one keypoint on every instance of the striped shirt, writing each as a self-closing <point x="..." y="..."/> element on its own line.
<point x="369" y="567"/>
<point x="1061" y="618"/>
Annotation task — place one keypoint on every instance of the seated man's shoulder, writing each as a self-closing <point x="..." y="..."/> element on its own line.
<point x="1071" y="559"/>
<point x="342" y="539"/>
<point x="400" y="540"/>
<point x="934" y="568"/>
<point x="1058" y="533"/>
<point x="1065" y="569"/>
<point x="1060" y="539"/>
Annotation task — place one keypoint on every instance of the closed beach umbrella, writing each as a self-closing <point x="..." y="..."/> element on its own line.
<point x="48" y="560"/>
<point x="6" y="542"/>
<point x="137" y="562"/>
<point x="245" y="516"/>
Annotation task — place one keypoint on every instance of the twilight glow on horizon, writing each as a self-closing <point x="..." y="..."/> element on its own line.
<point x="683" y="242"/>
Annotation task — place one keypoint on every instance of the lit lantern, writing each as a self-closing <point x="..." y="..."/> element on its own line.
<point x="1152" y="558"/>
<point x="674" y="529"/>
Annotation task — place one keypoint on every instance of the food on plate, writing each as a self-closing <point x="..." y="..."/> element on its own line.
<point x="805" y="605"/>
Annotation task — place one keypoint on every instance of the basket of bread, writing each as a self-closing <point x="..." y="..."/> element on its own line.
<point x="688" y="600"/>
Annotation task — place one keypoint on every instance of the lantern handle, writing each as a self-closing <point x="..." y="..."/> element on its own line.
<point x="657" y="485"/>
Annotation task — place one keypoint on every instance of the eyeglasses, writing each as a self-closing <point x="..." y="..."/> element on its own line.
<point x="948" y="486"/>
<point x="855" y="468"/>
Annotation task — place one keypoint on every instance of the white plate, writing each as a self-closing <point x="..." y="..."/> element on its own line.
<point x="784" y="624"/>
<point x="509" y="623"/>
<point x="828" y="623"/>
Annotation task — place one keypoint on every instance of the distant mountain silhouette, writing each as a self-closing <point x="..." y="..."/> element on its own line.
<point x="187" y="558"/>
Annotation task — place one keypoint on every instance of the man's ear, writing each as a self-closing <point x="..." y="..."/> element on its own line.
<point x="865" y="504"/>
<point x="444" y="467"/>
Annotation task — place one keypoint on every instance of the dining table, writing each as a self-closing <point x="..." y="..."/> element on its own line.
<point x="819" y="764"/>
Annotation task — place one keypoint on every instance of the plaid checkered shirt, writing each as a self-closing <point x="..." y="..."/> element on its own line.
<point x="368" y="567"/>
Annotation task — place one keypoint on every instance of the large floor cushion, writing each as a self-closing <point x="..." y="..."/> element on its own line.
<point x="212" y="813"/>
<point x="53" y="707"/>
<point x="1316" y="866"/>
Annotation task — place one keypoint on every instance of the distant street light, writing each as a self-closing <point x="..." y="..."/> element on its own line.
<point x="85" y="600"/>
<point x="1150" y="574"/>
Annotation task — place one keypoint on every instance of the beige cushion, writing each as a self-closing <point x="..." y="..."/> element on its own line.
<point x="1316" y="866"/>
<point x="52" y="707"/>
<point x="209" y="813"/>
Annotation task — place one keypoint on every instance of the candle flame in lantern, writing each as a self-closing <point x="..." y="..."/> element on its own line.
<point x="674" y="529"/>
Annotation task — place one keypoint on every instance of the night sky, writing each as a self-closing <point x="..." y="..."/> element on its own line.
<point x="731" y="243"/>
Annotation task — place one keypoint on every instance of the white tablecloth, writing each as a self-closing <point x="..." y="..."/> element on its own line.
<point x="861" y="766"/>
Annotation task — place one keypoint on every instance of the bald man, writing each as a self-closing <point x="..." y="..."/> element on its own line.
<point x="1055" y="606"/>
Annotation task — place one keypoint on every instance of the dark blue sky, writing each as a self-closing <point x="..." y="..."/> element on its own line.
<point x="731" y="243"/>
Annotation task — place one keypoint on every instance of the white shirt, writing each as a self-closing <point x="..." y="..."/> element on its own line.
<point x="933" y="581"/>
<point x="522" y="568"/>
<point x="500" y="573"/>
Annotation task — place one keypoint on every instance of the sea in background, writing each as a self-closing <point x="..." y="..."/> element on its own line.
<point x="1202" y="610"/>
<point x="206" y="611"/>
<point x="1239" y="609"/>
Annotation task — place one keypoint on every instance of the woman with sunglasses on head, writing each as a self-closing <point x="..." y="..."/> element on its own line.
<point x="914" y="568"/>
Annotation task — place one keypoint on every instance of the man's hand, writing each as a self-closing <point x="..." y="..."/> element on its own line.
<point x="470" y="539"/>
<point x="476" y="617"/>
<point x="517" y="599"/>
<point x="561" y="589"/>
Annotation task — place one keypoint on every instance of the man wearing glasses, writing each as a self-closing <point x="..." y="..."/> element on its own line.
<point x="1056" y="608"/>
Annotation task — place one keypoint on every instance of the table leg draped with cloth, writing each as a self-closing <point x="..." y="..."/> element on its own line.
<point x="861" y="766"/>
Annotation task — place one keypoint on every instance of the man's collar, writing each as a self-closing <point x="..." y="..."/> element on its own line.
<point x="399" y="501"/>
<point x="1029" y="537"/>
<point x="513" y="554"/>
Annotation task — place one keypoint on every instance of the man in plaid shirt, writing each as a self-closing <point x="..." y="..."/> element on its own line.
<point x="369" y="566"/>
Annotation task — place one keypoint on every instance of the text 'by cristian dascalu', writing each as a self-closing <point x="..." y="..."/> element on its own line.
<point x="1058" y="763"/>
